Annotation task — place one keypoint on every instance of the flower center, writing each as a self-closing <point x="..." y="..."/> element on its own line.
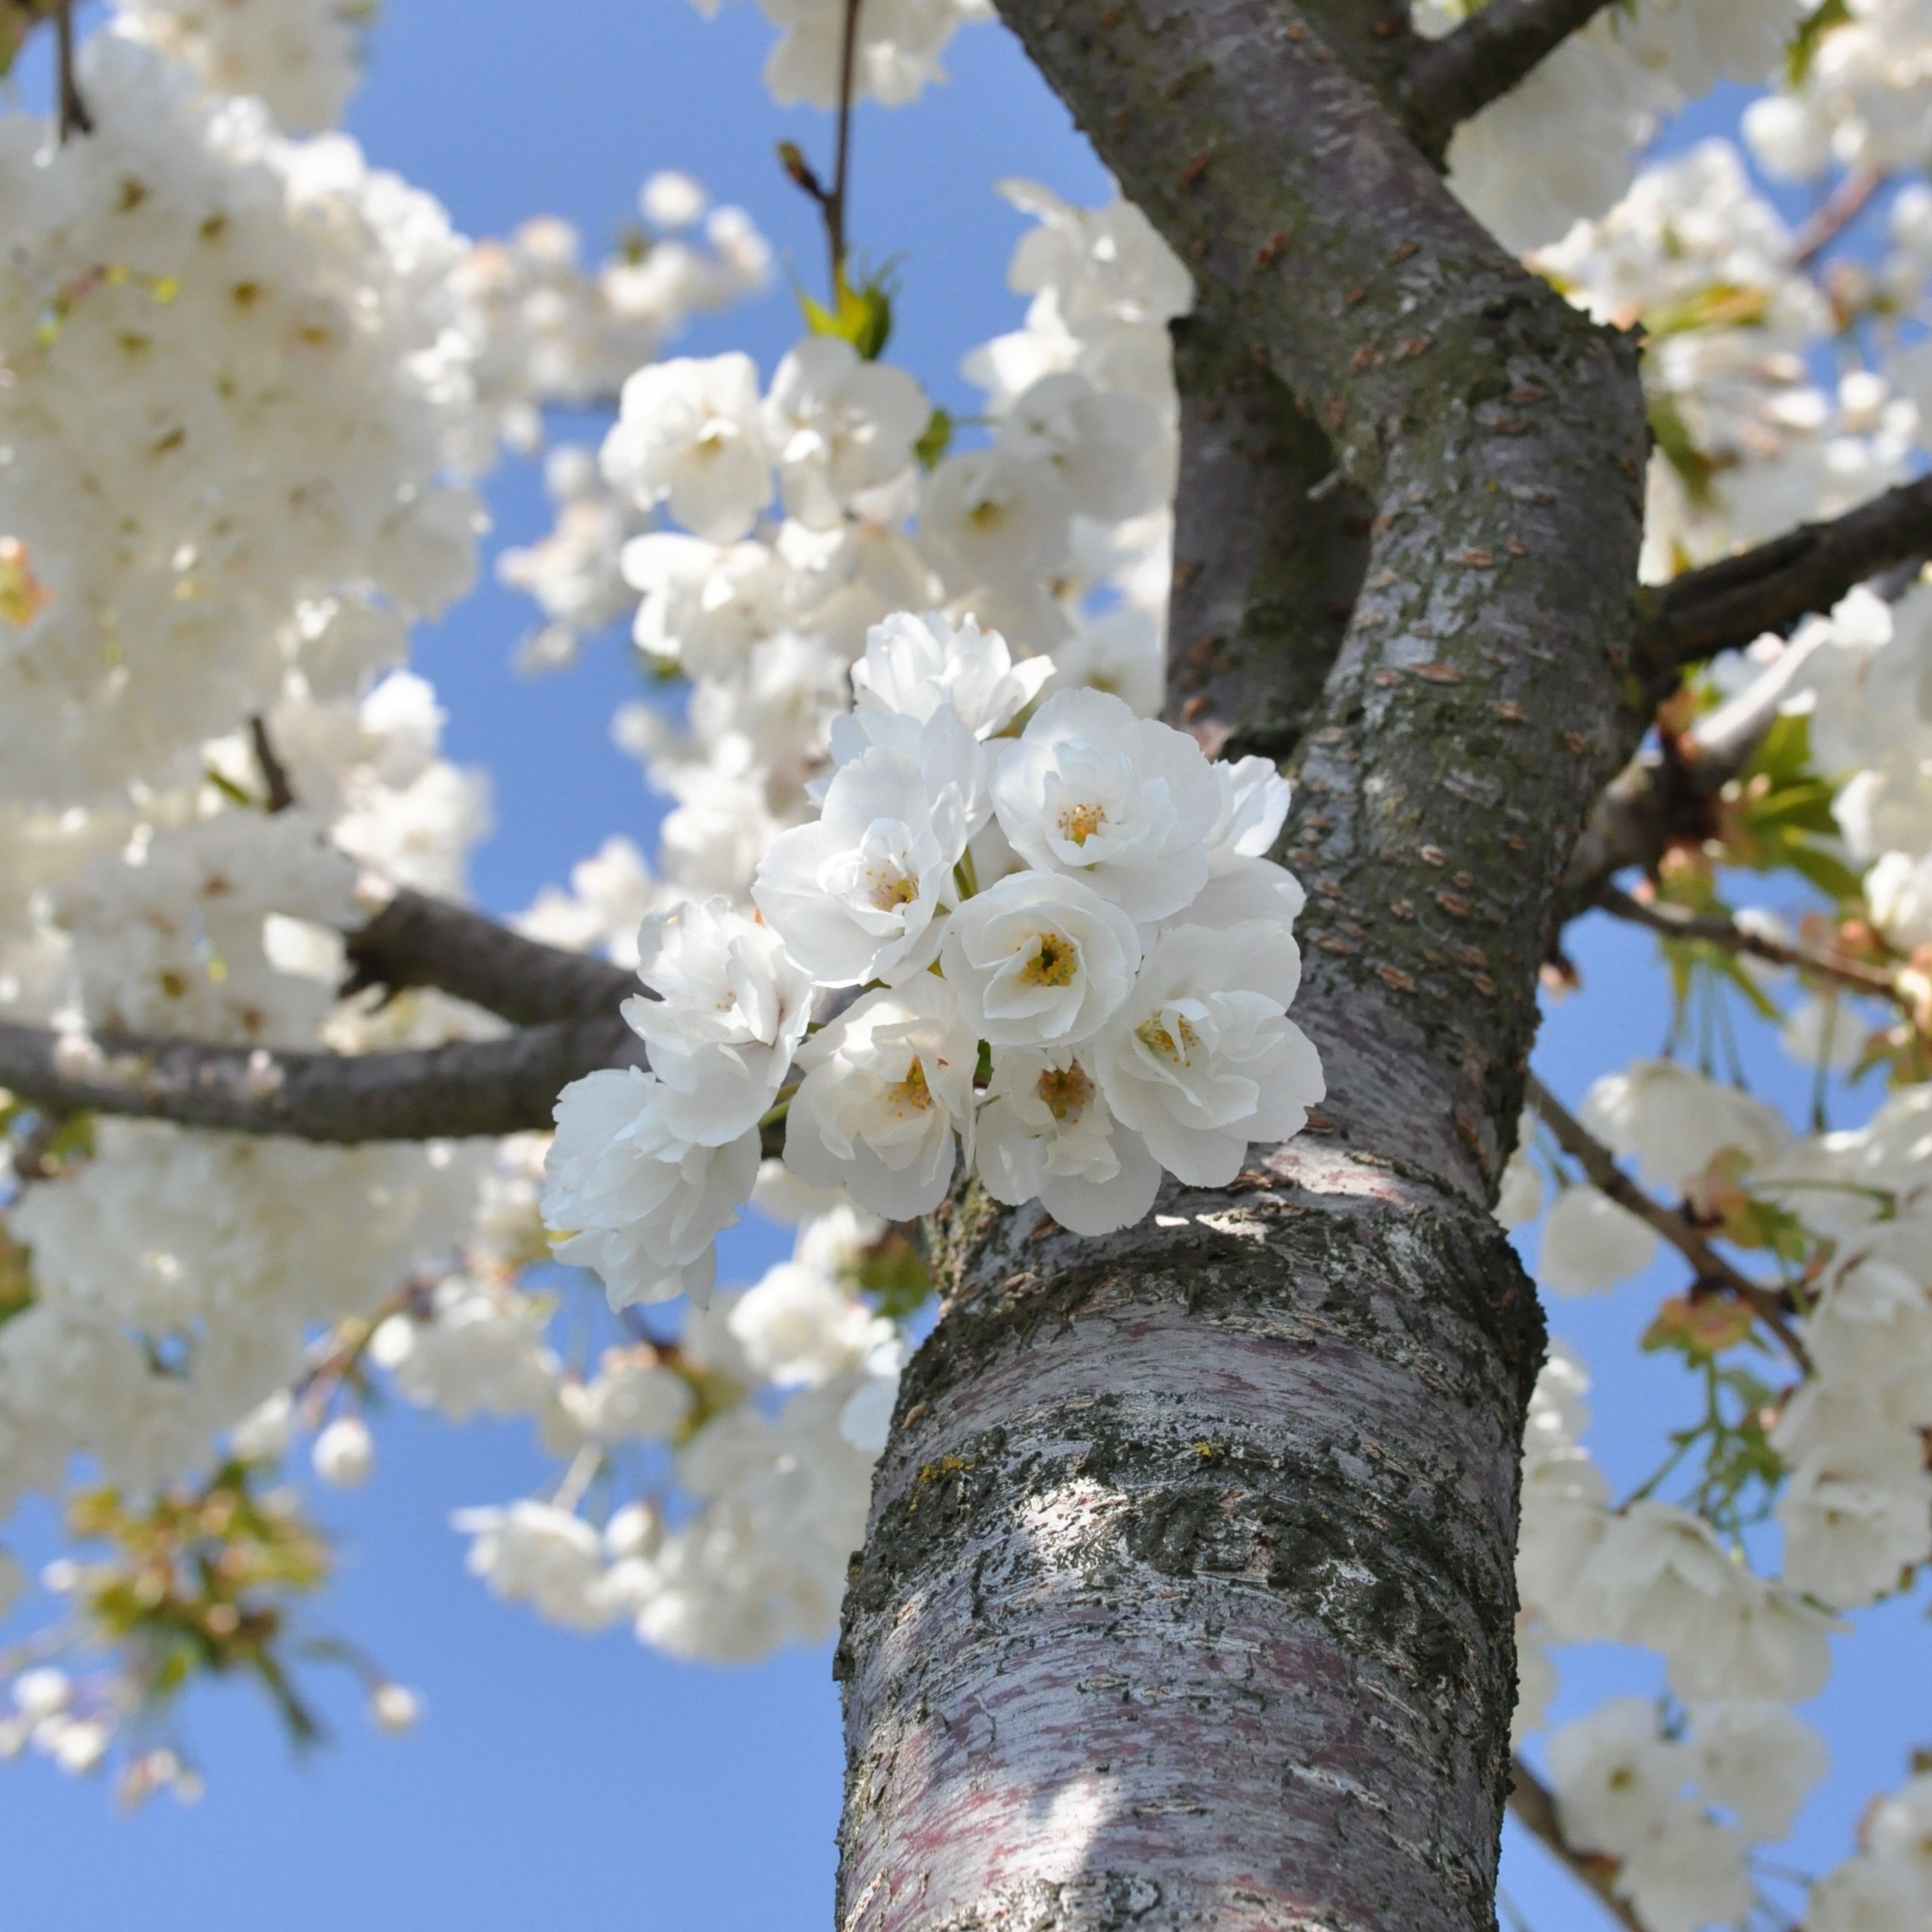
<point x="986" y="514"/>
<point x="1157" y="1038"/>
<point x="910" y="1095"/>
<point x="1054" y="964"/>
<point x="1078" y="823"/>
<point x="1067" y="1092"/>
<point x="891" y="890"/>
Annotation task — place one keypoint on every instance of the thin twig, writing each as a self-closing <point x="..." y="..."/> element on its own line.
<point x="835" y="206"/>
<point x="1534" y="1805"/>
<point x="275" y="773"/>
<point x="1491" y="52"/>
<point x="1729" y="604"/>
<point x="1846" y="202"/>
<point x="1676" y="923"/>
<point x="348" y="1344"/>
<point x="74" y="118"/>
<point x="1599" y="1165"/>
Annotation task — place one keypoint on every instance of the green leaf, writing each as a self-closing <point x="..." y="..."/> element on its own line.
<point x="1803" y="47"/>
<point x="230" y="790"/>
<point x="1831" y="876"/>
<point x="861" y="315"/>
<point x="934" y="440"/>
<point x="893" y="1274"/>
<point x="1678" y="448"/>
<point x="1716" y="305"/>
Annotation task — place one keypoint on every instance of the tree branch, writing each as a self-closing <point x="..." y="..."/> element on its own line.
<point x="1492" y="51"/>
<point x="1599" y="1165"/>
<point x="1270" y="548"/>
<point x="1727" y="604"/>
<point x="416" y="940"/>
<point x="74" y="118"/>
<point x="1534" y="1805"/>
<point x="1676" y="923"/>
<point x="1497" y="586"/>
<point x="1847" y="202"/>
<point x="275" y="773"/>
<point x="470" y="1087"/>
<point x="1671" y="792"/>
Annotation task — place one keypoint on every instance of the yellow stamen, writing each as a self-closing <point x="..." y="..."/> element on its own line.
<point x="1079" y="823"/>
<point x="1067" y="1092"/>
<point x="1157" y="1038"/>
<point x="911" y="1095"/>
<point x="1054" y="964"/>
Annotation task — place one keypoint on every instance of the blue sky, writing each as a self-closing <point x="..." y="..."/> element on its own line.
<point x="586" y="1783"/>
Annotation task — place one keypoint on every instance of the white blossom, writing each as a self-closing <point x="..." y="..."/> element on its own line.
<point x="1202" y="1058"/>
<point x="1039" y="959"/>
<point x="1758" y="1761"/>
<point x="1688" y="1872"/>
<point x="1122" y="802"/>
<point x="1867" y="1894"/>
<point x="914" y="665"/>
<point x="533" y="1553"/>
<point x="344" y="1453"/>
<point x="632" y="1198"/>
<point x="1675" y="1120"/>
<point x="732" y="1009"/>
<point x="689" y="434"/>
<point x="989" y="516"/>
<point x="1590" y="1244"/>
<point x="1047" y="1133"/>
<point x="837" y="426"/>
<point x="1616" y="1778"/>
<point x="858" y="894"/>
<point x="887" y="1093"/>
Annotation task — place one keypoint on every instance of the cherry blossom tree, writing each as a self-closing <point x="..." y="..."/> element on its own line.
<point x="1116" y="845"/>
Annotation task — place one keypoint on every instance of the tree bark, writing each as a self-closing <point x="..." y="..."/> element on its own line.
<point x="1270" y="544"/>
<point x="1187" y="1597"/>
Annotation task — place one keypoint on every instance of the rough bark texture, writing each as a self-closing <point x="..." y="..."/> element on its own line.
<point x="1179" y="1603"/>
<point x="1187" y="1597"/>
<point x="1270" y="544"/>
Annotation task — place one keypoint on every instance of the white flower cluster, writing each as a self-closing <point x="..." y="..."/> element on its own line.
<point x="1675" y="1121"/>
<point x="771" y="1504"/>
<point x="896" y="52"/>
<point x="235" y="374"/>
<point x="1076" y="967"/>
<point x="1678" y="1806"/>
<point x="177" y="1276"/>
<point x="1558" y="145"/>
<point x="1650" y="1573"/>
<point x="1652" y="1801"/>
<point x="553" y="332"/>
<point x="1866" y="680"/>
<point x="1888" y="1886"/>
<point x="1746" y="443"/>
<point x="298" y="58"/>
<point x="1857" y="1510"/>
<point x="1862" y="98"/>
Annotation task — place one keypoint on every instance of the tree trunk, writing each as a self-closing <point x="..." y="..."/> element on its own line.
<point x="1187" y="1597"/>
